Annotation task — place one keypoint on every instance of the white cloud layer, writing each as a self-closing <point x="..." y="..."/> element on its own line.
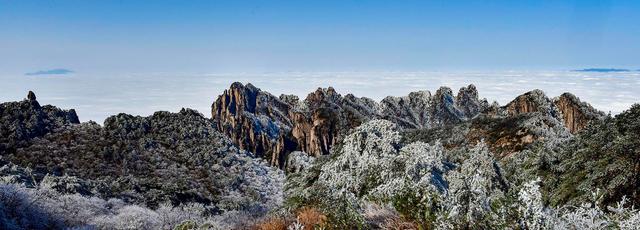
<point x="96" y="97"/>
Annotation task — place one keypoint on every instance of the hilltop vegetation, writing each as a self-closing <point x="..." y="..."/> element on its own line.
<point x="166" y="159"/>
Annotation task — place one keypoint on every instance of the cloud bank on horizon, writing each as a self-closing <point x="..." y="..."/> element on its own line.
<point x="95" y="97"/>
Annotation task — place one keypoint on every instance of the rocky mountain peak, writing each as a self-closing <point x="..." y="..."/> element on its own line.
<point x="529" y="102"/>
<point x="566" y="108"/>
<point x="575" y="113"/>
<point x="289" y="99"/>
<point x="274" y="126"/>
<point x="31" y="96"/>
<point x="323" y="96"/>
<point x="468" y="102"/>
<point x="256" y="120"/>
<point x="24" y="120"/>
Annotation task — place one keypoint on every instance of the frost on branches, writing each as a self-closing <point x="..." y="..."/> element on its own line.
<point x="473" y="187"/>
<point x="55" y="202"/>
<point x="531" y="207"/>
<point x="374" y="165"/>
<point x="534" y="215"/>
<point x="433" y="187"/>
<point x="298" y="161"/>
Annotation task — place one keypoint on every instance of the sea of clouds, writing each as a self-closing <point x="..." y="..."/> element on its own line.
<point x="96" y="96"/>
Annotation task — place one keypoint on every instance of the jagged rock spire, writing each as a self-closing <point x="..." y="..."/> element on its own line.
<point x="31" y="96"/>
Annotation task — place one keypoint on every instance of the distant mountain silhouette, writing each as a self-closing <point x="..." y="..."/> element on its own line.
<point x="602" y="70"/>
<point x="50" y="72"/>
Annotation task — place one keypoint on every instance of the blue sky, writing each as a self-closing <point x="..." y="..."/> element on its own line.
<point x="276" y="36"/>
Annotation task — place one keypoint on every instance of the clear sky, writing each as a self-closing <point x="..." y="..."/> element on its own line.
<point x="345" y="35"/>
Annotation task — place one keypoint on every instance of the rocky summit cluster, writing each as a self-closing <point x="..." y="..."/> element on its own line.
<point x="273" y="126"/>
<point x="440" y="160"/>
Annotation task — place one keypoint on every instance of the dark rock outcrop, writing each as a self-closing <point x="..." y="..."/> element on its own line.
<point x="24" y="120"/>
<point x="274" y="126"/>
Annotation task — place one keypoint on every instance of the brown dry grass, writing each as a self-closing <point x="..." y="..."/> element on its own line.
<point x="398" y="224"/>
<point x="271" y="224"/>
<point x="387" y="218"/>
<point x="311" y="218"/>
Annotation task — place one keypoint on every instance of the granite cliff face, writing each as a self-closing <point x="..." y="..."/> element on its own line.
<point x="575" y="114"/>
<point x="567" y="108"/>
<point x="274" y="126"/>
<point x="532" y="101"/>
<point x="254" y="119"/>
<point x="270" y="126"/>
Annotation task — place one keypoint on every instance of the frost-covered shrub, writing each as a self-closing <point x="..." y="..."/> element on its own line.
<point x="18" y="210"/>
<point x="469" y="191"/>
<point x="129" y="217"/>
<point x="633" y="221"/>
<point x="171" y="216"/>
<point x="298" y="161"/>
<point x="373" y="165"/>
<point x="474" y="186"/>
<point x="42" y="207"/>
<point x="64" y="184"/>
<point x="385" y="217"/>
<point x="583" y="217"/>
<point x="257" y="190"/>
<point x="534" y="215"/>
<point x="531" y="207"/>
<point x="366" y="154"/>
<point x="30" y="208"/>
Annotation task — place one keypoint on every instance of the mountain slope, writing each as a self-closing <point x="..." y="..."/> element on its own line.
<point x="167" y="157"/>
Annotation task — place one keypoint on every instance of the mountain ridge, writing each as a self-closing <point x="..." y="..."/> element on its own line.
<point x="436" y="144"/>
<point x="275" y="126"/>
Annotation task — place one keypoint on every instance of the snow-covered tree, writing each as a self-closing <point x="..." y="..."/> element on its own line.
<point x="473" y="187"/>
<point x="373" y="164"/>
<point x="530" y="206"/>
